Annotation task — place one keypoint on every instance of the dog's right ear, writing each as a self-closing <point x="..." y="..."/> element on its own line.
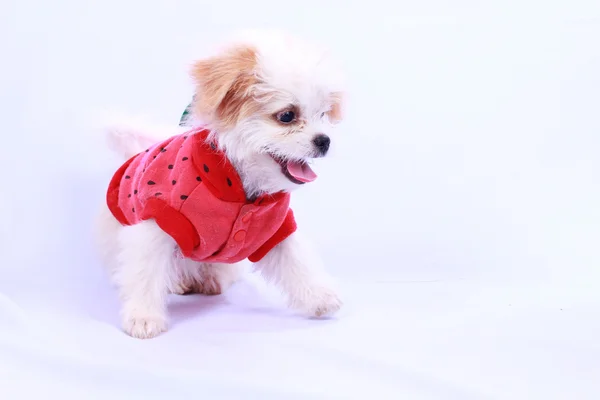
<point x="223" y="83"/>
<point x="336" y="113"/>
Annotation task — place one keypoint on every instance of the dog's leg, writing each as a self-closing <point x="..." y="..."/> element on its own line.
<point x="204" y="278"/>
<point x="143" y="278"/>
<point x="298" y="272"/>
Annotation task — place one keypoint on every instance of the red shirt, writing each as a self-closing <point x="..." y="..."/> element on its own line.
<point x="195" y="195"/>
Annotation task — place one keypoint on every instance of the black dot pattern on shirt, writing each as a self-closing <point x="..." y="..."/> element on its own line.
<point x="173" y="182"/>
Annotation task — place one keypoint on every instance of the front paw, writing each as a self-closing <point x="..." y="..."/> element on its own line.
<point x="144" y="327"/>
<point x="318" y="301"/>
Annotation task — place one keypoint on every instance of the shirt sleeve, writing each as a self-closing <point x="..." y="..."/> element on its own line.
<point x="287" y="228"/>
<point x="173" y="223"/>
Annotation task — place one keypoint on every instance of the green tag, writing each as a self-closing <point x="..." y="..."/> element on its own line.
<point x="185" y="115"/>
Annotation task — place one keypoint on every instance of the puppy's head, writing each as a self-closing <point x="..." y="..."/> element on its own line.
<point x="271" y="100"/>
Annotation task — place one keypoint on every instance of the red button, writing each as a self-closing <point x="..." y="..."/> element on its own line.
<point x="239" y="236"/>
<point x="247" y="217"/>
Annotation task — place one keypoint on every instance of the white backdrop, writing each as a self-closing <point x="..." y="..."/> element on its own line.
<point x="460" y="206"/>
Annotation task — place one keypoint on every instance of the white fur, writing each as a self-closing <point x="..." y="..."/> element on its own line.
<point x="145" y="264"/>
<point x="298" y="272"/>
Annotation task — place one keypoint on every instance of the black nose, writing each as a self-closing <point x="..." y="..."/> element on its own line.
<point x="322" y="143"/>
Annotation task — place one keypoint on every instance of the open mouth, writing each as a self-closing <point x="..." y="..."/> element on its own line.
<point x="296" y="171"/>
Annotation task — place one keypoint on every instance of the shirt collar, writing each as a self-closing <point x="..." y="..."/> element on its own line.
<point x="217" y="172"/>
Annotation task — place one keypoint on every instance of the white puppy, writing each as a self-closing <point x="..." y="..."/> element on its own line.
<point x="268" y="103"/>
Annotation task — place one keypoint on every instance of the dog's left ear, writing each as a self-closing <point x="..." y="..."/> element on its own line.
<point x="223" y="84"/>
<point x="336" y="112"/>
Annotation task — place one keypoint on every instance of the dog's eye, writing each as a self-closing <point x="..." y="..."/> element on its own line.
<point x="286" y="117"/>
<point x="322" y="115"/>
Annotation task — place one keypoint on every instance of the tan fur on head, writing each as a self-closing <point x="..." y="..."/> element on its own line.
<point x="223" y="86"/>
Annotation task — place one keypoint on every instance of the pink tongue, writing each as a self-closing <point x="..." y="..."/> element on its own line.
<point x="301" y="171"/>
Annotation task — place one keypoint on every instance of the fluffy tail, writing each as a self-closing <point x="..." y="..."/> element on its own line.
<point x="131" y="136"/>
